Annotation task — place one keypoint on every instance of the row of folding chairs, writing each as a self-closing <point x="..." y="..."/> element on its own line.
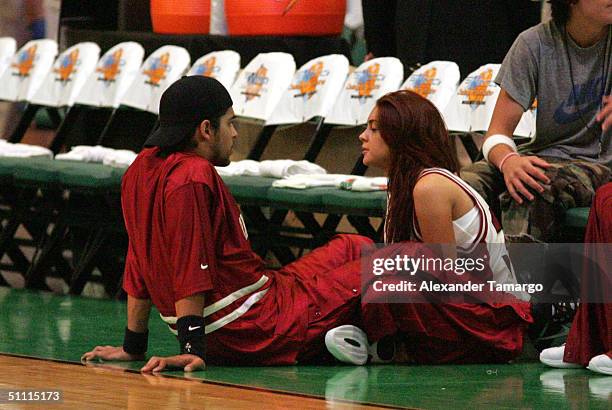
<point x="283" y="95"/>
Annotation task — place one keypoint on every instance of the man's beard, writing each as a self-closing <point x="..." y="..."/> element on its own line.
<point x="218" y="158"/>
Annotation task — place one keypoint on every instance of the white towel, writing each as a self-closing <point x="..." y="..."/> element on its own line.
<point x="85" y="153"/>
<point x="304" y="181"/>
<point x="285" y="167"/>
<point x="359" y="183"/>
<point x="342" y="181"/>
<point x="8" y="149"/>
<point x="119" y="158"/>
<point x="237" y="168"/>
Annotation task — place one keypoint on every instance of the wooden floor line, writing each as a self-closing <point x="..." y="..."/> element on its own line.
<point x="204" y="381"/>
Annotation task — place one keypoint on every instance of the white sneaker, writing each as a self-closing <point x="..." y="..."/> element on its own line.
<point x="601" y="364"/>
<point x="349" y="344"/>
<point x="553" y="357"/>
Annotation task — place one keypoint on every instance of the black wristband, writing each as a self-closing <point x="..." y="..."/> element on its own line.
<point x="191" y="335"/>
<point x="135" y="343"/>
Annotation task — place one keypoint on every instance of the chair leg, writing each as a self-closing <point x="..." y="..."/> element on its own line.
<point x="41" y="263"/>
<point x="24" y="122"/>
<point x="261" y="142"/>
<point x="363" y="226"/>
<point x="470" y="146"/>
<point x="84" y="267"/>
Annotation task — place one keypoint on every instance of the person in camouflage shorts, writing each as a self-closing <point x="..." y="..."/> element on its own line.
<point x="565" y="71"/>
<point x="573" y="184"/>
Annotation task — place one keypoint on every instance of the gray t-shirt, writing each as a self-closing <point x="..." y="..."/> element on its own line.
<point x="537" y="66"/>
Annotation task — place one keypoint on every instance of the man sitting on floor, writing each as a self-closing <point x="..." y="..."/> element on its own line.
<point x="189" y="253"/>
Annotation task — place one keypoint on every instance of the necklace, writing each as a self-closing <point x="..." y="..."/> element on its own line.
<point x="604" y="74"/>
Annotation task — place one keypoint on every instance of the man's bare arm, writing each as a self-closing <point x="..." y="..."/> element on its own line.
<point x="518" y="170"/>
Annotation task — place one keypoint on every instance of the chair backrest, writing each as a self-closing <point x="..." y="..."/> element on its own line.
<point x="313" y="90"/>
<point x="8" y="46"/>
<point x="113" y="76"/>
<point x="260" y="86"/>
<point x="471" y="107"/>
<point x="68" y="75"/>
<point x="221" y="65"/>
<point x="27" y="70"/>
<point x="363" y="87"/>
<point x="437" y="81"/>
<point x="166" y="65"/>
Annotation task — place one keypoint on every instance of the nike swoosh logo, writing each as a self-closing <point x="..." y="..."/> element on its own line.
<point x="203" y="266"/>
<point x="567" y="113"/>
<point x="193" y="328"/>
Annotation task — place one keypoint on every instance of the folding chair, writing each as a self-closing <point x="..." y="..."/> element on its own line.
<point x="25" y="74"/>
<point x="100" y="98"/>
<point x="437" y="81"/>
<point x="370" y="81"/>
<point x="221" y="65"/>
<point x="257" y="91"/>
<point x="471" y="107"/>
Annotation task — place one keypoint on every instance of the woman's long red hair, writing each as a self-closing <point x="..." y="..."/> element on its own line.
<point x="417" y="138"/>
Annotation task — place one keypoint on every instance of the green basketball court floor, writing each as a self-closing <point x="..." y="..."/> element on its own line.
<point x="54" y="327"/>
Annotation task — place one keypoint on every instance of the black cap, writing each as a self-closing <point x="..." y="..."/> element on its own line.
<point x="184" y="105"/>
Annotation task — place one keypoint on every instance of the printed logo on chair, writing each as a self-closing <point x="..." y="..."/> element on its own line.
<point x="436" y="81"/>
<point x="313" y="90"/>
<point x="68" y="75"/>
<point x="27" y="70"/>
<point x="259" y="88"/>
<point x="113" y="76"/>
<point x="221" y="65"/>
<point x="363" y="87"/>
<point x="166" y="65"/>
<point x="471" y="107"/>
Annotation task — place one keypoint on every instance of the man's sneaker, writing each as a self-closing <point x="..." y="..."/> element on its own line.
<point x="349" y="344"/>
<point x="553" y="357"/>
<point x="601" y="364"/>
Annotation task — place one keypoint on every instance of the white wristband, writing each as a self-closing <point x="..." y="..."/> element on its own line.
<point x="494" y="140"/>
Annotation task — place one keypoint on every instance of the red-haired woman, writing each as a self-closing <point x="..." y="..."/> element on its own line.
<point x="428" y="203"/>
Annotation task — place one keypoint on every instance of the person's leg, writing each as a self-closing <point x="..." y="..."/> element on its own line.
<point x="331" y="275"/>
<point x="591" y="331"/>
<point x="475" y="332"/>
<point x="337" y="252"/>
<point x="573" y="184"/>
<point x="442" y="333"/>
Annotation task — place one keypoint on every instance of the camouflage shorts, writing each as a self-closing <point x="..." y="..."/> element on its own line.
<point x="573" y="184"/>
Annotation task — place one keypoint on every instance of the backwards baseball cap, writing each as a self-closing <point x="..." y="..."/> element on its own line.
<point x="184" y="105"/>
